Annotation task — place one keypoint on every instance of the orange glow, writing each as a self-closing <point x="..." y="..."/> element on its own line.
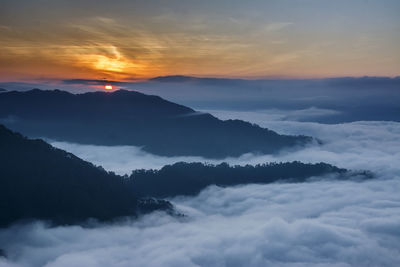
<point x="108" y="87"/>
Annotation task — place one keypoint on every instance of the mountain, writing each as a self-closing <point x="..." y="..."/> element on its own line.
<point x="38" y="181"/>
<point x="2" y="90"/>
<point x="131" y="118"/>
<point x="190" y="178"/>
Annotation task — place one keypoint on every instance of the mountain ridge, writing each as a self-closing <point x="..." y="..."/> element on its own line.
<point x="40" y="182"/>
<point x="131" y="118"/>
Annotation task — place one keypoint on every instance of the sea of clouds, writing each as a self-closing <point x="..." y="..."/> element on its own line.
<point x="319" y="223"/>
<point x="309" y="224"/>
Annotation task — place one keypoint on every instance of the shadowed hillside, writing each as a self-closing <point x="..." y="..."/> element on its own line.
<point x="132" y="118"/>
<point x="38" y="181"/>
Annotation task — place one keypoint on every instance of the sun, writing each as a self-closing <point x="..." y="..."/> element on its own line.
<point x="108" y="87"/>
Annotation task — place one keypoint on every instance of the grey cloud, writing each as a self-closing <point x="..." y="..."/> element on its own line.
<point x="92" y="82"/>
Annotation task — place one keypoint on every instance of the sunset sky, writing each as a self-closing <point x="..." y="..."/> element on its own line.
<point x="129" y="40"/>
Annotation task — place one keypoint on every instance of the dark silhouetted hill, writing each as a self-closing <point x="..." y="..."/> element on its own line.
<point x="131" y="118"/>
<point x="38" y="181"/>
<point x="190" y="178"/>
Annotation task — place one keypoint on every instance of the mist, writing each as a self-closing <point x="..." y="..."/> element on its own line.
<point x="347" y="98"/>
<point x="120" y="159"/>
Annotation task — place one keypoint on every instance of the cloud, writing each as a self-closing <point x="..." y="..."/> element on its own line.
<point x="277" y="26"/>
<point x="319" y="223"/>
<point x="365" y="144"/>
<point x="310" y="224"/>
<point x="278" y="114"/>
<point x="120" y="159"/>
<point x="92" y="84"/>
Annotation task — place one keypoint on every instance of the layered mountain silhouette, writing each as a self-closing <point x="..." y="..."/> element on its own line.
<point x="131" y="118"/>
<point x="38" y="181"/>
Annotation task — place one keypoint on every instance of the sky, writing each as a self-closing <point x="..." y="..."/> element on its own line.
<point x="45" y="40"/>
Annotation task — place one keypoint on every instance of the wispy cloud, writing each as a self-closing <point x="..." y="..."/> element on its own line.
<point x="277" y="26"/>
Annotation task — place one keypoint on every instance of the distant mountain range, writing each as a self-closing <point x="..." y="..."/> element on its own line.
<point x="38" y="181"/>
<point x="205" y="81"/>
<point x="131" y="118"/>
<point x="350" y="98"/>
<point x="339" y="99"/>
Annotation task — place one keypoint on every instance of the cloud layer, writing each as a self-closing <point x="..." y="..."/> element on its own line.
<point x="372" y="145"/>
<point x="310" y="224"/>
<point x="320" y="223"/>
